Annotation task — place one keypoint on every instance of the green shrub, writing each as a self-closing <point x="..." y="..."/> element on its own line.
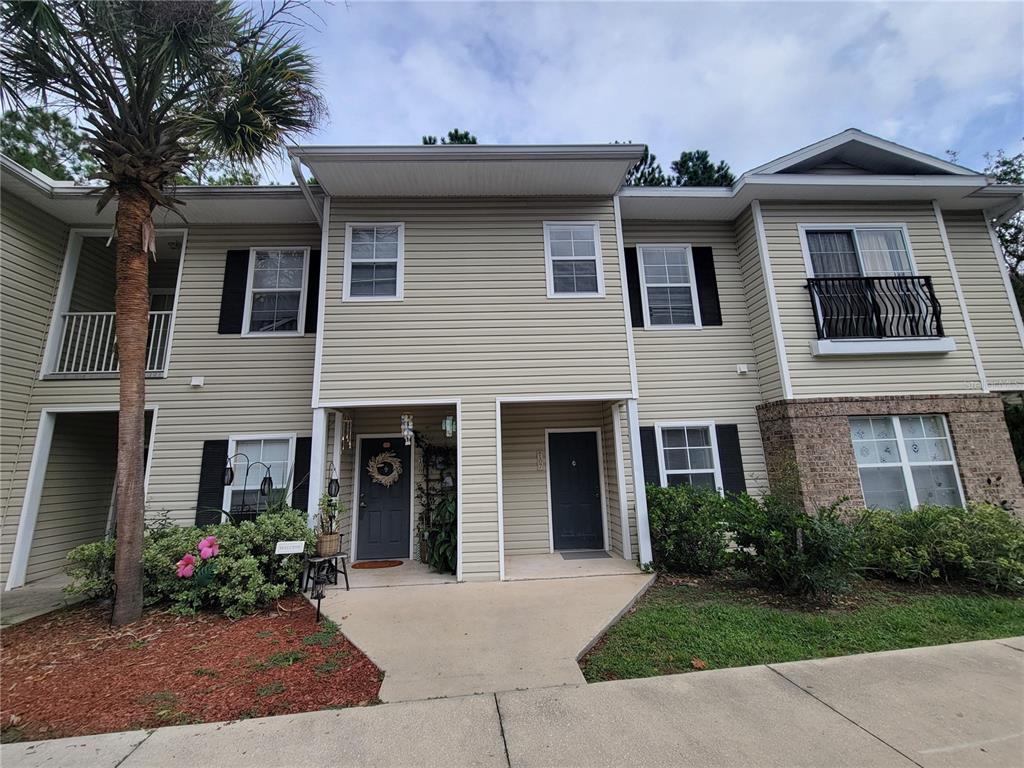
<point x="688" y="532"/>
<point x="982" y="543"/>
<point x="91" y="568"/>
<point x="246" y="574"/>
<point x="782" y="547"/>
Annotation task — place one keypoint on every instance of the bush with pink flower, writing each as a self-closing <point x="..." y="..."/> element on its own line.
<point x="228" y="568"/>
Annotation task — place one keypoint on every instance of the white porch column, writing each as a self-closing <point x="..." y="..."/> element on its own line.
<point x="643" y="531"/>
<point x="317" y="462"/>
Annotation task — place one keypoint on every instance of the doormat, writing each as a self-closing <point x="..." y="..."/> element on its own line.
<point x="584" y="555"/>
<point x="378" y="564"/>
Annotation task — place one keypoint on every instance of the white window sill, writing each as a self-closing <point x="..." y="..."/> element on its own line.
<point x="855" y="347"/>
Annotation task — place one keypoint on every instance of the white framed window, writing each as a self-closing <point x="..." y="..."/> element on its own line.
<point x="688" y="454"/>
<point x="860" y="250"/>
<point x="668" y="286"/>
<point x="253" y="458"/>
<point x="905" y="461"/>
<point x="275" y="294"/>
<point x="374" y="262"/>
<point x="572" y="258"/>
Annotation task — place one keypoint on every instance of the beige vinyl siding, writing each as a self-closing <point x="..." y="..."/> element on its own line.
<point x="758" y="311"/>
<point x="988" y="304"/>
<point x="31" y="252"/>
<point x="94" y="285"/>
<point x="613" y="493"/>
<point x="689" y="374"/>
<point x="77" y="490"/>
<point x="252" y="385"/>
<point x="904" y="374"/>
<point x="524" y="467"/>
<point x="475" y="324"/>
<point x="384" y="421"/>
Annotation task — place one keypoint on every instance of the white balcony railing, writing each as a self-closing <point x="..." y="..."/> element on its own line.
<point x="88" y="343"/>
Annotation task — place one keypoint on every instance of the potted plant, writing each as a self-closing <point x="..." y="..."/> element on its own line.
<point x="328" y="538"/>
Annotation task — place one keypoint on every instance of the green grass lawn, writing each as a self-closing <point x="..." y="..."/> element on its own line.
<point x="722" y="625"/>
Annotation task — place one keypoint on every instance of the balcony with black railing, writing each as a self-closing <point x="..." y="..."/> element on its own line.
<point x="875" y="308"/>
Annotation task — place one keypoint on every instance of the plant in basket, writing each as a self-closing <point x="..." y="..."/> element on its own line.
<point x="328" y="537"/>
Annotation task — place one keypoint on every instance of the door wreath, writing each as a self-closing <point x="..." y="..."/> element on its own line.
<point x="385" y="468"/>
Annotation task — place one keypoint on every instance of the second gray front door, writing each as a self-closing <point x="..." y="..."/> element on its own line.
<point x="383" y="502"/>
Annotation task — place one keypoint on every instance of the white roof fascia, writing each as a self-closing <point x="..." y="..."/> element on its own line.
<point x="470" y="152"/>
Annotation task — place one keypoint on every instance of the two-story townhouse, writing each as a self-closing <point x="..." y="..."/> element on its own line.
<point x="835" y="324"/>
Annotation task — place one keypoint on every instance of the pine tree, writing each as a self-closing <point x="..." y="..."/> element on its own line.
<point x="695" y="169"/>
<point x="455" y="136"/>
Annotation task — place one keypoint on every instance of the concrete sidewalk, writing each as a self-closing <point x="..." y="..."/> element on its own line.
<point x="956" y="705"/>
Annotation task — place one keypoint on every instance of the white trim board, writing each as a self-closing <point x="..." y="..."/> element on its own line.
<point x="624" y="286"/>
<point x="773" y="304"/>
<point x="874" y="347"/>
<point x="499" y="477"/>
<point x="968" y="325"/>
<point x="357" y="477"/>
<point x="37" y="476"/>
<point x="177" y="301"/>
<point x="601" y="481"/>
<point x="620" y="478"/>
<point x="318" y="355"/>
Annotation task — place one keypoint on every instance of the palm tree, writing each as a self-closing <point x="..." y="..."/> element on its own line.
<point x="154" y="84"/>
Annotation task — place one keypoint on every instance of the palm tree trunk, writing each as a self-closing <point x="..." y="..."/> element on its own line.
<point x="132" y="322"/>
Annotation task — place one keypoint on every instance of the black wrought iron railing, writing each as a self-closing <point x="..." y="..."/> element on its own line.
<point x="896" y="307"/>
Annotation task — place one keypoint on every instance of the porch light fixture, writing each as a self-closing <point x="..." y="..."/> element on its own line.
<point x="448" y="425"/>
<point x="333" y="485"/>
<point x="346" y="431"/>
<point x="407" y="431"/>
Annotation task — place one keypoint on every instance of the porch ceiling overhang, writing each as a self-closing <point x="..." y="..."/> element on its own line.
<point x="953" y="192"/>
<point x="76" y="205"/>
<point x="470" y="170"/>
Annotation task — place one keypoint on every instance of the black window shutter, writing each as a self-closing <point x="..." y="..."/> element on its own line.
<point x="232" y="297"/>
<point x="210" y="501"/>
<point x="313" y="291"/>
<point x="707" y="287"/>
<point x="300" y="476"/>
<point x="649" y="454"/>
<point x="636" y="302"/>
<point x="730" y="458"/>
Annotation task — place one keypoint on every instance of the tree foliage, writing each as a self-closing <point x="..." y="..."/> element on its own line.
<point x="46" y="141"/>
<point x="695" y="169"/>
<point x="1009" y="169"/>
<point x="692" y="169"/>
<point x="455" y="136"/>
<point x="154" y="86"/>
<point x="647" y="172"/>
<point x="158" y="84"/>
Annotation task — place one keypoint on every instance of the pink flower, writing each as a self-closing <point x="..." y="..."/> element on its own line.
<point x="209" y="547"/>
<point x="186" y="566"/>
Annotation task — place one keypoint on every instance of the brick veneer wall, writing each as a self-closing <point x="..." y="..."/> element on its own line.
<point x="809" y="452"/>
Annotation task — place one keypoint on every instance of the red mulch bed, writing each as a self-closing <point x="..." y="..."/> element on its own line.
<point x="68" y="673"/>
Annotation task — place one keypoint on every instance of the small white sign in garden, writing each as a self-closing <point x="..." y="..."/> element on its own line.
<point x="290" y="548"/>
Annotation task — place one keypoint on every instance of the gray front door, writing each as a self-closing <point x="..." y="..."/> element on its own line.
<point x="383" y="506"/>
<point x="575" y="490"/>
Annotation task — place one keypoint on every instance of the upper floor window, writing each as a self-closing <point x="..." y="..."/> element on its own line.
<point x="688" y="455"/>
<point x="572" y="252"/>
<point x="374" y="261"/>
<point x="858" y="252"/>
<point x="905" y="461"/>
<point x="275" y="296"/>
<point x="669" y="286"/>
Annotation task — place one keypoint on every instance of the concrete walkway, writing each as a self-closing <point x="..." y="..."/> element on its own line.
<point x="459" y="639"/>
<point x="35" y="599"/>
<point x="956" y="705"/>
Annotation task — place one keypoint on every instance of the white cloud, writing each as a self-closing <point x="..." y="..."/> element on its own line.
<point x="748" y="82"/>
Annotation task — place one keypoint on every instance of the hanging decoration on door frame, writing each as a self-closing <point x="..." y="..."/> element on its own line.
<point x="385" y="468"/>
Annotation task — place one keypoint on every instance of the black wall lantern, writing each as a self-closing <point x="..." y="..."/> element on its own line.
<point x="333" y="485"/>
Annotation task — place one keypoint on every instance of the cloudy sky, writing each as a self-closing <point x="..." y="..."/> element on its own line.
<point x="747" y="81"/>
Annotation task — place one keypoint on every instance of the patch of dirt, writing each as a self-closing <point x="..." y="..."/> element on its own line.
<point x="69" y="673"/>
